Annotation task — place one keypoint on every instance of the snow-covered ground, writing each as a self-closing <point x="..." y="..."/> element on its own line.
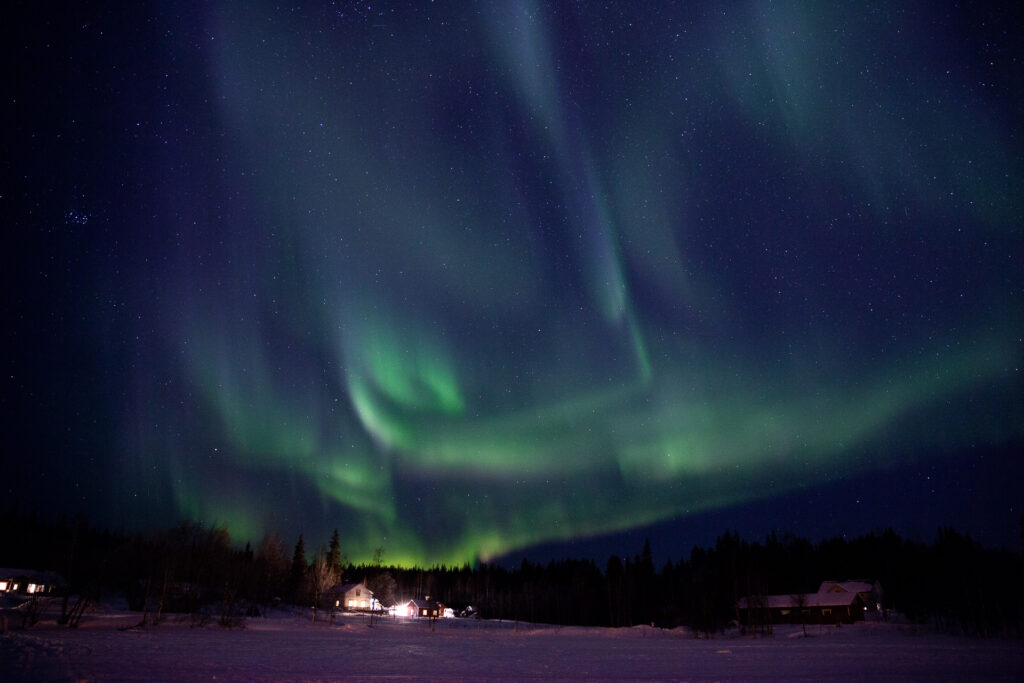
<point x="286" y="646"/>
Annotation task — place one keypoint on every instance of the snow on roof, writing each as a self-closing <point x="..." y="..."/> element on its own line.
<point x="429" y="604"/>
<point x="847" y="586"/>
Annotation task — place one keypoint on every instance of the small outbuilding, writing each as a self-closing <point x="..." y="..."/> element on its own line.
<point x="424" y="608"/>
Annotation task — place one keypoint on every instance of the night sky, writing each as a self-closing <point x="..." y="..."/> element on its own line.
<point x="471" y="279"/>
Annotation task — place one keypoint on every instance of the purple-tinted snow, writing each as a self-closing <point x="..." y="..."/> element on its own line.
<point x="287" y="647"/>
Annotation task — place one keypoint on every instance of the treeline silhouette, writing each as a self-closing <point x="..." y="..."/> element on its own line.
<point x="953" y="584"/>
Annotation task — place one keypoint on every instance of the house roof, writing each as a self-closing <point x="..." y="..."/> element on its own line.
<point x="429" y="604"/>
<point x="34" y="575"/>
<point x="346" y="587"/>
<point x="846" y="587"/>
<point x="793" y="601"/>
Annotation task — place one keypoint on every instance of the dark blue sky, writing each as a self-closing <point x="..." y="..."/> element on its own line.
<point x="466" y="279"/>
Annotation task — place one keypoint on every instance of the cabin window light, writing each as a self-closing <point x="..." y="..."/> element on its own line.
<point x="337" y="603"/>
<point x="352" y="603"/>
<point x="3" y="585"/>
<point x="32" y="588"/>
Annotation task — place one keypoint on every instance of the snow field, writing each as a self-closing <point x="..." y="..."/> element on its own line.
<point x="287" y="646"/>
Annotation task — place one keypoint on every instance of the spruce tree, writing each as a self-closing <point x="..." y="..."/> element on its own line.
<point x="334" y="555"/>
<point x="297" y="575"/>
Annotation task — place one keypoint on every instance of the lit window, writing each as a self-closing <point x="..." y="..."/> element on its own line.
<point x="351" y="603"/>
<point x="3" y="585"/>
<point x="32" y="588"/>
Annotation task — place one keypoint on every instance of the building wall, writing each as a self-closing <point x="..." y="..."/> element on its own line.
<point x="808" y="615"/>
<point x="433" y="611"/>
<point x="358" y="598"/>
<point x="817" y="615"/>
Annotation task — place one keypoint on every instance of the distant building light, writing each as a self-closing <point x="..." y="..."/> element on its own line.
<point x="3" y="585"/>
<point x="32" y="588"/>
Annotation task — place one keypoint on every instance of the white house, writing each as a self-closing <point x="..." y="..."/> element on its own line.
<point x="352" y="596"/>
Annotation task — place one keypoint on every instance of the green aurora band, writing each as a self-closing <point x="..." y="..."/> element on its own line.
<point x="458" y="333"/>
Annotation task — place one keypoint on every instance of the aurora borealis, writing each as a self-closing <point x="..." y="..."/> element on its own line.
<point x="460" y="278"/>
